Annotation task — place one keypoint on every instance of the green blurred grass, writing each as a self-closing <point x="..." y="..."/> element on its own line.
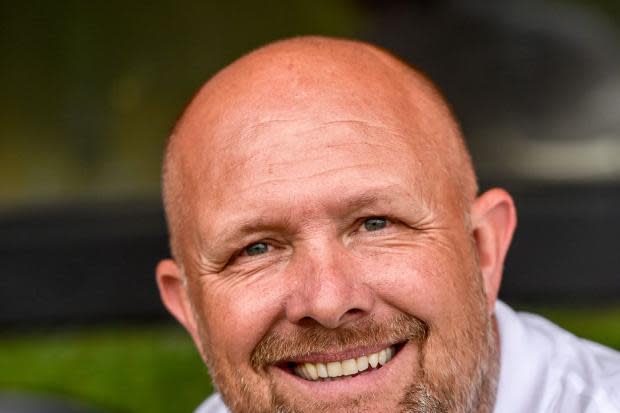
<point x="157" y="370"/>
<point x="122" y="369"/>
<point x="600" y="324"/>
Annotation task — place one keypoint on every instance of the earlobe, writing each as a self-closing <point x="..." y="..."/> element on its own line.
<point x="175" y="296"/>
<point x="493" y="222"/>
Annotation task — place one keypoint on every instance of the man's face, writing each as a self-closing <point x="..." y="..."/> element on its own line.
<point x="323" y="245"/>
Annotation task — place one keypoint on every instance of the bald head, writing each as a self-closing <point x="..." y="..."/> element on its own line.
<point x="320" y="198"/>
<point x="299" y="87"/>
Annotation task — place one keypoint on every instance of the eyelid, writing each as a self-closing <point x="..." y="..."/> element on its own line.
<point x="387" y="219"/>
<point x="241" y="252"/>
<point x="244" y="249"/>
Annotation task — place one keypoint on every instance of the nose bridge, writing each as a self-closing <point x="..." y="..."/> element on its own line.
<point x="326" y="288"/>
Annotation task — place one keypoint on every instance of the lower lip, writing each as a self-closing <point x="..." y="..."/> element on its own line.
<point x="348" y="385"/>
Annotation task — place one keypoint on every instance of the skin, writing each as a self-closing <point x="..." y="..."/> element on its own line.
<point x="271" y="179"/>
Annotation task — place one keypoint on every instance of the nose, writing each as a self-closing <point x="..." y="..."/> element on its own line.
<point x="327" y="287"/>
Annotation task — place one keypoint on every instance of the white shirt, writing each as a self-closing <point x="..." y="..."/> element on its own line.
<point x="213" y="404"/>
<point x="547" y="369"/>
<point x="544" y="369"/>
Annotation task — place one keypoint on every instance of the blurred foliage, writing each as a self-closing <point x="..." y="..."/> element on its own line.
<point x="91" y="89"/>
<point x="157" y="370"/>
<point x="122" y="370"/>
<point x="599" y="324"/>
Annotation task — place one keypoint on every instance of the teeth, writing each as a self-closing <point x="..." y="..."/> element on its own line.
<point x="349" y="367"/>
<point x="322" y="370"/>
<point x="304" y="372"/>
<point x="382" y="358"/>
<point x="316" y="371"/>
<point x="362" y="363"/>
<point x="311" y="369"/>
<point x="334" y="369"/>
<point x="373" y="360"/>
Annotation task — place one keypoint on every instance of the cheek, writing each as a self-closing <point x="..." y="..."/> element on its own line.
<point x="429" y="282"/>
<point x="236" y="316"/>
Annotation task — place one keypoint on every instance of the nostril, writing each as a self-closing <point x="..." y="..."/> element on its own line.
<point x="347" y="317"/>
<point x="307" y="322"/>
<point x="354" y="311"/>
<point x="352" y="314"/>
<point x="331" y="303"/>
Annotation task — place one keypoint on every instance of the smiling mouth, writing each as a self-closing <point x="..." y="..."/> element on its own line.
<point x="328" y="371"/>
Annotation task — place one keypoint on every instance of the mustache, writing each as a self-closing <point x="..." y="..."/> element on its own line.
<point x="276" y="347"/>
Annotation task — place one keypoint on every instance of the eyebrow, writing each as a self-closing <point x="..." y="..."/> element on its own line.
<point x="246" y="226"/>
<point x="360" y="201"/>
<point x="252" y="225"/>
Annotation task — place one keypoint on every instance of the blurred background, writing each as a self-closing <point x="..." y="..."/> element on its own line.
<point x="90" y="91"/>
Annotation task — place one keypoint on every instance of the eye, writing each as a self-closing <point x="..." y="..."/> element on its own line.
<point x="375" y="223"/>
<point x="256" y="249"/>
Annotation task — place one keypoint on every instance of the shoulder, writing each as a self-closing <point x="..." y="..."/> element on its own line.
<point x="213" y="404"/>
<point x="553" y="370"/>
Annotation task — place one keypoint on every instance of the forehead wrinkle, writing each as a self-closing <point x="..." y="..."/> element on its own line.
<point x="275" y="181"/>
<point x="369" y="129"/>
<point x="309" y="125"/>
<point x="267" y="145"/>
<point x="351" y="146"/>
<point x="354" y="124"/>
<point x="309" y="122"/>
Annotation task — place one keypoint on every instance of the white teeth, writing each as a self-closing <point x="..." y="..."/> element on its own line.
<point x="382" y="358"/>
<point x="312" y="371"/>
<point x="349" y="367"/>
<point x="373" y="360"/>
<point x="362" y="363"/>
<point x="322" y="370"/>
<point x="334" y="369"/>
<point x="316" y="371"/>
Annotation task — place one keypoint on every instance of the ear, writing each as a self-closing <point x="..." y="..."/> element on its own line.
<point x="175" y="296"/>
<point x="493" y="220"/>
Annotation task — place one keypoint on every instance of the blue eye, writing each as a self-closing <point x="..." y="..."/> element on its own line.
<point x="375" y="223"/>
<point x="256" y="249"/>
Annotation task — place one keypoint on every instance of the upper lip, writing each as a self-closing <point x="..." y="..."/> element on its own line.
<point x="326" y="357"/>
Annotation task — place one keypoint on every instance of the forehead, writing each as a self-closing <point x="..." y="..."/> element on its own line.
<point x="276" y="164"/>
<point x="297" y="149"/>
<point x="263" y="139"/>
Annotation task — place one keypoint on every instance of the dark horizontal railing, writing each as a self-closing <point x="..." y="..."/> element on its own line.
<point x="92" y="262"/>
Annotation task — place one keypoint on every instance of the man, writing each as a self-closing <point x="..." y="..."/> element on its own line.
<point x="331" y="253"/>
